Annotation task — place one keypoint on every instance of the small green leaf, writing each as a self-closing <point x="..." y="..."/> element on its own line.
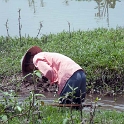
<point x="66" y="121"/>
<point x="97" y="98"/>
<point x="19" y="108"/>
<point x="4" y="118"/>
<point x="38" y="73"/>
<point x="6" y="93"/>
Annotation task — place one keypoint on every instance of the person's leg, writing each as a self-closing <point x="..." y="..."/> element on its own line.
<point x="77" y="80"/>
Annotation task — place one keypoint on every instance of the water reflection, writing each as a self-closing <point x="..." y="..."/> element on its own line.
<point x="102" y="4"/>
<point x="33" y="2"/>
<point x="103" y="8"/>
<point x="6" y="0"/>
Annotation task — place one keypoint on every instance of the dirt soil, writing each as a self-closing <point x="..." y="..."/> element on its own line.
<point x="23" y="87"/>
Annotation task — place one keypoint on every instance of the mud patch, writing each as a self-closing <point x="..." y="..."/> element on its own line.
<point x="24" y="87"/>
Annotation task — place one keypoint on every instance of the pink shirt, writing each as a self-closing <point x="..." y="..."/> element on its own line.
<point x="56" y="67"/>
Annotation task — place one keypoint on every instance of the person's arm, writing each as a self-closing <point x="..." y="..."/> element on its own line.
<point x="46" y="70"/>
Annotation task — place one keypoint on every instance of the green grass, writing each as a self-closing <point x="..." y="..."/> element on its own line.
<point x="54" y="115"/>
<point x="101" y="117"/>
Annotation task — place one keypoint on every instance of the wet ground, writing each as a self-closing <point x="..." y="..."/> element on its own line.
<point x="108" y="103"/>
<point x="105" y="103"/>
<point x="23" y="91"/>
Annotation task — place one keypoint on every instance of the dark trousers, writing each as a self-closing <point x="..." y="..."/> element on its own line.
<point x="77" y="80"/>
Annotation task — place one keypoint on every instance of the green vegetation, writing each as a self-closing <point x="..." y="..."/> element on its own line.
<point x="99" y="52"/>
<point x="52" y="115"/>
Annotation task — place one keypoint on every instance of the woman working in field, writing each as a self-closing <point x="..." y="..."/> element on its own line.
<point x="57" y="68"/>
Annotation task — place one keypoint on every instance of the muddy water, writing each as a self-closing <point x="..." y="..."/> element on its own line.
<point x="105" y="103"/>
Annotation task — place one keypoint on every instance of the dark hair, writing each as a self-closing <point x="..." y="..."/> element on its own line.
<point x="28" y="58"/>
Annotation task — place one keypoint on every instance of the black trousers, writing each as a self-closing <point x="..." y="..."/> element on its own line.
<point x="76" y="81"/>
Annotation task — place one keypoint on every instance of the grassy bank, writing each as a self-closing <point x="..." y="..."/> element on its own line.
<point x="100" y="53"/>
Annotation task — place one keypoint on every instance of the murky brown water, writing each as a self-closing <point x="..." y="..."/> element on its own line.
<point x="106" y="103"/>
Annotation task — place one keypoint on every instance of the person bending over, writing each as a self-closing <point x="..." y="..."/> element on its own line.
<point x="57" y="68"/>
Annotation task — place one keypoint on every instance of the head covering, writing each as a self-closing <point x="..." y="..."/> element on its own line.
<point x="25" y="61"/>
